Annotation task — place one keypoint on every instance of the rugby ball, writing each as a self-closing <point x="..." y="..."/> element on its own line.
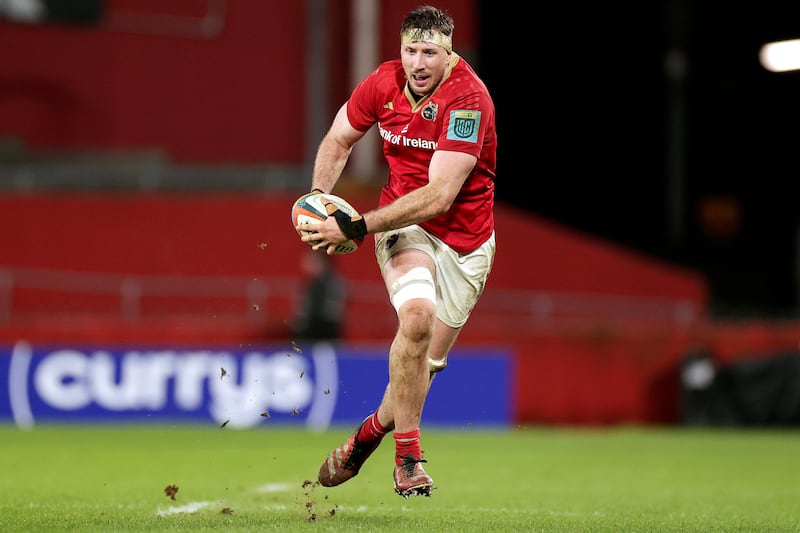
<point x="310" y="208"/>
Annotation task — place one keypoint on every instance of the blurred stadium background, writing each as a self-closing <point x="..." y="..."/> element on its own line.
<point x="648" y="232"/>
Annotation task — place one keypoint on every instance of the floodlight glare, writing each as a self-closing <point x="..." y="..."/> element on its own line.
<point x="780" y="56"/>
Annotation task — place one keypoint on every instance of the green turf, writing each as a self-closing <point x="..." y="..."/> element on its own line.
<point x="539" y="479"/>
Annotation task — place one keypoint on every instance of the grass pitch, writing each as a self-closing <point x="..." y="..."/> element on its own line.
<point x="110" y="478"/>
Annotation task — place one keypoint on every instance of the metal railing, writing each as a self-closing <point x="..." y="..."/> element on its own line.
<point x="498" y="308"/>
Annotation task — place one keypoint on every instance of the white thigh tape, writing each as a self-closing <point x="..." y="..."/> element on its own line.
<point x="417" y="283"/>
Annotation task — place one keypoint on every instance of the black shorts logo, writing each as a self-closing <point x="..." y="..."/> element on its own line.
<point x="392" y="240"/>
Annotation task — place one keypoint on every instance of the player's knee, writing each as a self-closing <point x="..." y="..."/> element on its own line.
<point x="413" y="296"/>
<point x="416" y="320"/>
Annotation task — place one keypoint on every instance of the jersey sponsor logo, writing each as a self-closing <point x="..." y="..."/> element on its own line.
<point x="464" y="125"/>
<point x="430" y="111"/>
<point x="399" y="139"/>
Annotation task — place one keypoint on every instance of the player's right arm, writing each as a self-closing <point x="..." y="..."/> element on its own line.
<point x="333" y="152"/>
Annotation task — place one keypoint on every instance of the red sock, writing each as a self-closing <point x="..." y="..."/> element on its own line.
<point x="407" y="444"/>
<point x="371" y="430"/>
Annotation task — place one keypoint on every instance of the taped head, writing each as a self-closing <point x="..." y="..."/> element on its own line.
<point x="430" y="25"/>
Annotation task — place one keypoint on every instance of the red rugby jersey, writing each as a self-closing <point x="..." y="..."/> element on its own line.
<point x="459" y="117"/>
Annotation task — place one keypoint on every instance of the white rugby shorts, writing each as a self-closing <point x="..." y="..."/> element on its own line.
<point x="460" y="278"/>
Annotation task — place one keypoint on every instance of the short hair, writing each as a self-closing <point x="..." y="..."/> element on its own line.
<point x="428" y="18"/>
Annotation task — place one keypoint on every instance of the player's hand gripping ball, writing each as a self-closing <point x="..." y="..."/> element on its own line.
<point x="311" y="208"/>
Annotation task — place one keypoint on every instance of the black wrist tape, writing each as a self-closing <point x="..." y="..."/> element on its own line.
<point x="353" y="228"/>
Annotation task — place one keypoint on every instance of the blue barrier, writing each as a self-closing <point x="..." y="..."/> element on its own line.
<point x="319" y="385"/>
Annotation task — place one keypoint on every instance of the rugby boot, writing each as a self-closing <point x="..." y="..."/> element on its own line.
<point x="345" y="461"/>
<point x="410" y="478"/>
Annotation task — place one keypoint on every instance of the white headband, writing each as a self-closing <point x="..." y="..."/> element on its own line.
<point x="415" y="35"/>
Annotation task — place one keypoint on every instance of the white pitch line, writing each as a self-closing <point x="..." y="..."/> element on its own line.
<point x="274" y="487"/>
<point x="191" y="507"/>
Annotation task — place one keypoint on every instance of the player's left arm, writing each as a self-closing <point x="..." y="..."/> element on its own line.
<point x="446" y="175"/>
<point x="451" y="165"/>
<point x="449" y="168"/>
